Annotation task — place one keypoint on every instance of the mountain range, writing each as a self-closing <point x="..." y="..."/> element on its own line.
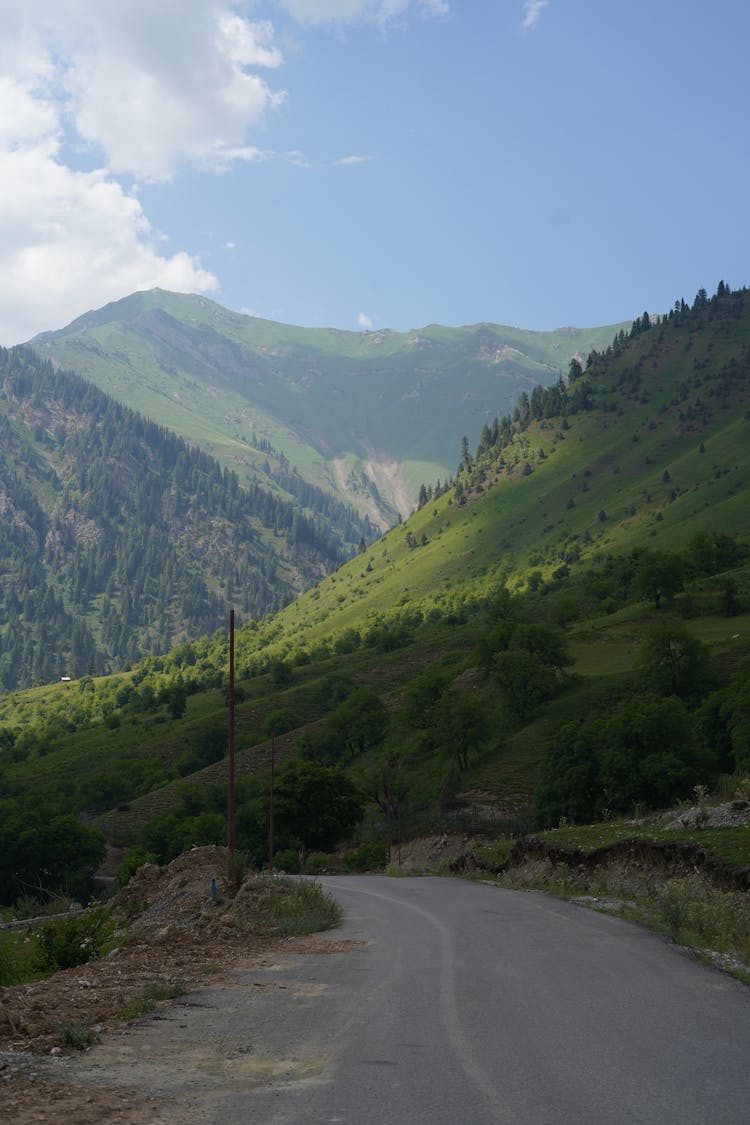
<point x="164" y="458"/>
<point x="560" y="632"/>
<point x="367" y="416"/>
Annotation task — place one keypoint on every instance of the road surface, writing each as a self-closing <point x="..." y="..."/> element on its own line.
<point x="460" y="1004"/>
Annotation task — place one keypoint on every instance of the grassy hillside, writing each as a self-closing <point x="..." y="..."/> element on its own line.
<point x="562" y="633"/>
<point x="369" y="415"/>
<point x="659" y="454"/>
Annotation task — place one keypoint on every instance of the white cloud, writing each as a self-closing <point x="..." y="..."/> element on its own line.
<point x="365" y="322"/>
<point x="22" y="116"/>
<point x="298" y="159"/>
<point x="230" y="245"/>
<point x="347" y="11"/>
<point x="157" y="85"/>
<point x="532" y="10"/>
<point x="142" y="88"/>
<point x="149" y="86"/>
<point x="343" y="161"/>
<point x="71" y="241"/>
<point x="139" y="90"/>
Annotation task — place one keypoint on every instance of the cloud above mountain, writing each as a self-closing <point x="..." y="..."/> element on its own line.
<point x="137" y="90"/>
<point x="99" y="100"/>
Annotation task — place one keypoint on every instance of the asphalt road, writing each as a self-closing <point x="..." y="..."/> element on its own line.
<point x="464" y="1003"/>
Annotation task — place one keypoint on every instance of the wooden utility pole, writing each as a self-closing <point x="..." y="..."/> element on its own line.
<point x="388" y="806"/>
<point x="270" y="806"/>
<point x="230" y="794"/>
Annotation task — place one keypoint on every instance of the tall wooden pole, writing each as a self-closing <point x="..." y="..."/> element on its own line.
<point x="270" y="806"/>
<point x="388" y="807"/>
<point x="230" y="795"/>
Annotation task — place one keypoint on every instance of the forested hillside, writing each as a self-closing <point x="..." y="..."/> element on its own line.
<point x="118" y="539"/>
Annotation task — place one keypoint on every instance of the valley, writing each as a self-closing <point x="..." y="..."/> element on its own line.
<point x="557" y="638"/>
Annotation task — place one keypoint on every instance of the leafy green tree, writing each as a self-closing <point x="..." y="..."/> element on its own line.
<point x="659" y="576"/>
<point x="281" y="673"/>
<point x="279" y="721"/>
<point x="421" y="695"/>
<point x="674" y="661"/>
<point x="529" y="668"/>
<point x="713" y="732"/>
<point x="735" y="712"/>
<point x="315" y="806"/>
<point x="492" y="641"/>
<point x="569" y="786"/>
<point x="731" y="603"/>
<point x="46" y="850"/>
<point x="361" y="721"/>
<point x="198" y="820"/>
<point x="544" y="641"/>
<point x="462" y="724"/>
<point x="525" y="680"/>
<point x="712" y="552"/>
<point x="175" y="697"/>
<point x="385" y="784"/>
<point x="134" y="860"/>
<point x="650" y="754"/>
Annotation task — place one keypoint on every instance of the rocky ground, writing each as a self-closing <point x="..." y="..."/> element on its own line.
<point x="172" y="932"/>
<point x="731" y="814"/>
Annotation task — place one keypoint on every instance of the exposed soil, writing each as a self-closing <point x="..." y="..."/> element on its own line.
<point x="175" y="932"/>
<point x="428" y="853"/>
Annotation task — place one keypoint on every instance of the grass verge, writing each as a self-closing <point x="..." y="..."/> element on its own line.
<point x="302" y="907"/>
<point x="688" y="909"/>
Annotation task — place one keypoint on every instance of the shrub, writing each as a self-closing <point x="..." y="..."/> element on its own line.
<point x="133" y="860"/>
<point x="367" y="857"/>
<point x="236" y="872"/>
<point x="152" y="994"/>
<point x="76" y="940"/>
<point x="288" y="861"/>
<point x="303" y="908"/>
<point x="317" y="862"/>
<point x="78" y="1035"/>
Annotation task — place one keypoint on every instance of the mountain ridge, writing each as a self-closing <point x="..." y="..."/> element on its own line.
<point x="337" y="404"/>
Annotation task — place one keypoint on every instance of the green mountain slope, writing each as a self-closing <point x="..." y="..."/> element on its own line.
<point x="118" y="540"/>
<point x="649" y="447"/>
<point x="502" y="649"/>
<point x="368" y="415"/>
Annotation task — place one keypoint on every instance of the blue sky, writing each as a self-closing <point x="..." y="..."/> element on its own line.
<point x="373" y="163"/>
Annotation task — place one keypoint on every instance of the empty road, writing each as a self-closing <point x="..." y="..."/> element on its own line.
<point x="459" y="1003"/>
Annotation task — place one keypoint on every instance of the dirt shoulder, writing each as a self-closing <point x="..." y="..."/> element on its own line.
<point x="173" y="932"/>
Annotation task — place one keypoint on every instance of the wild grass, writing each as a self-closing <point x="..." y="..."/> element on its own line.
<point x="731" y="844"/>
<point x="20" y="958"/>
<point x="695" y="914"/>
<point x="78" y="1035"/>
<point x="76" y="940"/>
<point x="154" y="993"/>
<point x="301" y="907"/>
<point x="689" y="909"/>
